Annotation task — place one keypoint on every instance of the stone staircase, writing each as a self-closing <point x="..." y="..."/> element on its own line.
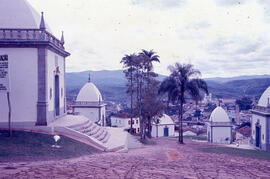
<point x="103" y="138"/>
<point x="93" y="130"/>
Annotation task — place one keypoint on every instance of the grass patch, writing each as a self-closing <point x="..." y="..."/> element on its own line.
<point x="147" y="141"/>
<point x="25" y="146"/>
<point x="238" y="152"/>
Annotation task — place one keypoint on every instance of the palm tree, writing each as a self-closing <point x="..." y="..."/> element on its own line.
<point x="183" y="80"/>
<point x="148" y="57"/>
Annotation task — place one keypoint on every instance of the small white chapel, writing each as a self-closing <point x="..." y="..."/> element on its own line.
<point x="90" y="104"/>
<point x="260" y="122"/>
<point x="163" y="127"/>
<point x="219" y="127"/>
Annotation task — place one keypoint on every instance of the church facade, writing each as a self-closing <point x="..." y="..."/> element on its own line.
<point x="260" y="122"/>
<point x="36" y="66"/>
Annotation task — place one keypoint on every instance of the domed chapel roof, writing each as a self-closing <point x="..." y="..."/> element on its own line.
<point x="265" y="98"/>
<point x="19" y="14"/>
<point x="219" y="115"/>
<point x="89" y="93"/>
<point x="165" y="120"/>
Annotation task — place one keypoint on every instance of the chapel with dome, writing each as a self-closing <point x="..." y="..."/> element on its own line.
<point x="36" y="66"/>
<point x="163" y="127"/>
<point x="219" y="127"/>
<point x="90" y="104"/>
<point x="260" y="122"/>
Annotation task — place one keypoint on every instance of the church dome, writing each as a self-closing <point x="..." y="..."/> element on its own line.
<point x="19" y="14"/>
<point x="265" y="98"/>
<point x="165" y="120"/>
<point x="89" y="93"/>
<point x="219" y="115"/>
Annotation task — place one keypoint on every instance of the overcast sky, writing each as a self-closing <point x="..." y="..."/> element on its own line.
<point x="219" y="37"/>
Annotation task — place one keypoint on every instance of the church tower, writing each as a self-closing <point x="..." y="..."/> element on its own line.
<point x="37" y="66"/>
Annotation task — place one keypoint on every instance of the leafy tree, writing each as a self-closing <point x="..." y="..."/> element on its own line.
<point x="151" y="105"/>
<point x="245" y="103"/>
<point x="142" y="86"/>
<point x="129" y="62"/>
<point x="183" y="80"/>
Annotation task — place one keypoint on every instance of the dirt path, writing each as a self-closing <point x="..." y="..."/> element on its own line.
<point x="167" y="159"/>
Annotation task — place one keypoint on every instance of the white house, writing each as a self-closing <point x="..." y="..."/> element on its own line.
<point x="164" y="127"/>
<point x="36" y="65"/>
<point x="260" y="122"/>
<point x="90" y="104"/>
<point x="219" y="127"/>
<point x="123" y="120"/>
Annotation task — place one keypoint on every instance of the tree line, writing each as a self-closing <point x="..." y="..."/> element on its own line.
<point x="146" y="92"/>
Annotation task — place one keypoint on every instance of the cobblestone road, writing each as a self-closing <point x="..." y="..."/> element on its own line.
<point x="167" y="159"/>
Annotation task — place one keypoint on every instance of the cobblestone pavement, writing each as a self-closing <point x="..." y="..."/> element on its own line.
<point x="167" y="159"/>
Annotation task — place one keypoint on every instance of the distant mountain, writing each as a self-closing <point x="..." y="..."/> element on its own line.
<point x="104" y="77"/>
<point x="224" y="80"/>
<point x="112" y="84"/>
<point x="238" y="88"/>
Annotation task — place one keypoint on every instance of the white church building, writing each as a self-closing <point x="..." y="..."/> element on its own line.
<point x="219" y="127"/>
<point x="90" y="104"/>
<point x="260" y="122"/>
<point x="37" y="84"/>
<point x="36" y="66"/>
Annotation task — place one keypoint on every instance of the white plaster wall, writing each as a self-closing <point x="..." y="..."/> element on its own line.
<point x="208" y="132"/>
<point x="158" y="130"/>
<point x="253" y="125"/>
<point x="220" y="134"/>
<point x="23" y="84"/>
<point x="90" y="113"/>
<point x="51" y="77"/>
<point x="103" y="113"/>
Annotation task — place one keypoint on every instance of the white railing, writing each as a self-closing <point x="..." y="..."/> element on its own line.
<point x="86" y="103"/>
<point x="29" y="35"/>
<point x="220" y="123"/>
<point x="262" y="109"/>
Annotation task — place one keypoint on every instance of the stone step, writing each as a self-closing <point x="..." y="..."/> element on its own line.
<point x="102" y="136"/>
<point x="105" y="140"/>
<point x="94" y="131"/>
<point x="98" y="132"/>
<point x="89" y="128"/>
<point x="86" y="128"/>
<point x="82" y="127"/>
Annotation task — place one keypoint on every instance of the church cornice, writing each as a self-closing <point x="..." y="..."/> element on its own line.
<point x="261" y="110"/>
<point x="35" y="38"/>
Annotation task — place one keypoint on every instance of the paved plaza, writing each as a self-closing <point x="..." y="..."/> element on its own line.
<point x="167" y="159"/>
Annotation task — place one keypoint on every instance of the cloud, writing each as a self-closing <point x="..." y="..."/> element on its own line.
<point x="230" y="2"/>
<point x="160" y="4"/>
<point x="221" y="38"/>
